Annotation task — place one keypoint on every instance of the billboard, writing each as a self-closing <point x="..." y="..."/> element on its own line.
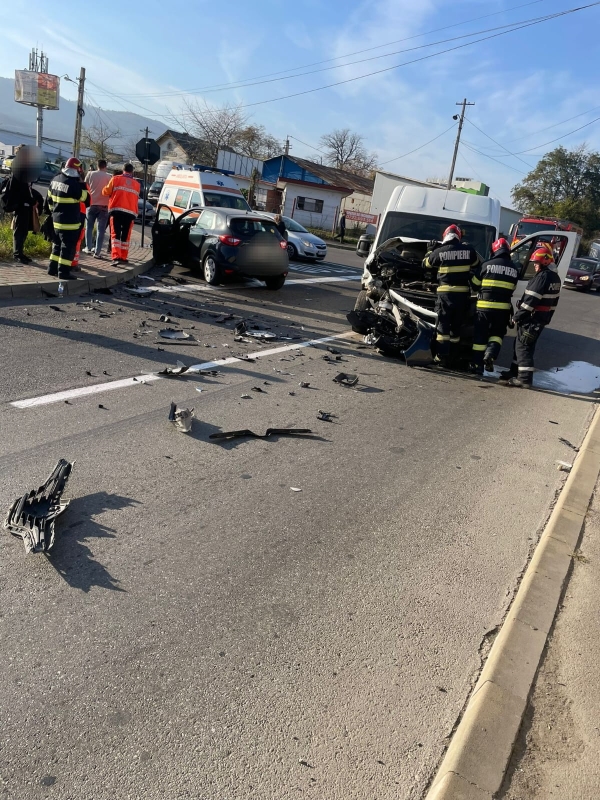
<point x="37" y="89"/>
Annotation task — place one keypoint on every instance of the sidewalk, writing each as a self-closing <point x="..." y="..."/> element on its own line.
<point x="556" y="754"/>
<point x="31" y="280"/>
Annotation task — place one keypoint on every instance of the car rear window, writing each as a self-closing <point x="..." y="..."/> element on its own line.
<point x="245" y="226"/>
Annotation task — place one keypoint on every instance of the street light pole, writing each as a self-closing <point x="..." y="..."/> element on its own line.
<point x="79" y="114"/>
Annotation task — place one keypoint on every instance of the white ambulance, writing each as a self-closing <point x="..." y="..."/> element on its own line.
<point x="191" y="188"/>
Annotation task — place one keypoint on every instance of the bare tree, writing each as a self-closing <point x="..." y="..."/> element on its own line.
<point x="215" y="127"/>
<point x="128" y="148"/>
<point x="255" y="142"/>
<point x="346" y="150"/>
<point x="97" y="137"/>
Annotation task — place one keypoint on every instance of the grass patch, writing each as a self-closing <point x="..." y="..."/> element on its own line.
<point x="35" y="245"/>
<point x="350" y="237"/>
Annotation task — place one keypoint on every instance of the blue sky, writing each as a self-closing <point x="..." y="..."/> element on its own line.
<point x="522" y="83"/>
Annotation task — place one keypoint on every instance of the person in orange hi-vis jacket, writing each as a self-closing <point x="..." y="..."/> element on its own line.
<point x="124" y="192"/>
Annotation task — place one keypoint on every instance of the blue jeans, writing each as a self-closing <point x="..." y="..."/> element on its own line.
<point x="98" y="215"/>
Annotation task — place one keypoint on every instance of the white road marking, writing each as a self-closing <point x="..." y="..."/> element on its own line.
<point x="126" y="383"/>
<point x="255" y="284"/>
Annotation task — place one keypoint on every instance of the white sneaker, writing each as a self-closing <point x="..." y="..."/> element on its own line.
<point x="85" y="250"/>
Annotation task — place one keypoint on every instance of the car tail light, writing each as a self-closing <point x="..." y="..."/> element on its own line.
<point x="283" y="244"/>
<point x="229" y="271"/>
<point x="230" y="240"/>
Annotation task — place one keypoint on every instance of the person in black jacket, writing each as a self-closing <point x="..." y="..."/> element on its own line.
<point x="454" y="262"/>
<point x="534" y="311"/>
<point x="65" y="195"/>
<point x="22" y="200"/>
<point x="280" y="225"/>
<point x="496" y="281"/>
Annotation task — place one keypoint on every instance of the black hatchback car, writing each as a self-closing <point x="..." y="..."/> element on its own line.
<point x="223" y="243"/>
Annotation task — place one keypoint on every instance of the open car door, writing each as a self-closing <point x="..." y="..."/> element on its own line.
<point x="170" y="235"/>
<point x="564" y="244"/>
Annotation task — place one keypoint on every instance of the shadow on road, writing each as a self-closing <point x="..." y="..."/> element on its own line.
<point x="71" y="556"/>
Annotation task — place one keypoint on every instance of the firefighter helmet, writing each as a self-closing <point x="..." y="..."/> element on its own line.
<point x="452" y="232"/>
<point x="500" y="246"/>
<point x="73" y="167"/>
<point x="542" y="256"/>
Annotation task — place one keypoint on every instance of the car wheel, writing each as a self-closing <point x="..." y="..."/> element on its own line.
<point x="362" y="304"/>
<point x="291" y="251"/>
<point x="275" y="283"/>
<point x="210" y="270"/>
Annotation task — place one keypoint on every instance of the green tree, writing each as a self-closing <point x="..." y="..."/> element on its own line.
<point x="566" y="184"/>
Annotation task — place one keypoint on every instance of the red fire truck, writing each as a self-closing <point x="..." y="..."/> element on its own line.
<point x="528" y="225"/>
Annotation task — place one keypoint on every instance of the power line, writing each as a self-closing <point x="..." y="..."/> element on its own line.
<point x="564" y="136"/>
<point x="247" y="84"/>
<point x="500" y="145"/>
<point x="507" y="166"/>
<point x="318" y="149"/>
<point x="439" y="136"/>
<point x="556" y="124"/>
<point x="337" y="58"/>
<point x="416" y="60"/>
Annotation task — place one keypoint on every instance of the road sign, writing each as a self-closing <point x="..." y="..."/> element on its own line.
<point x="147" y="151"/>
<point x="362" y="216"/>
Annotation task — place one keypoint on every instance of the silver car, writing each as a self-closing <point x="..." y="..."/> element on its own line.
<point x="302" y="243"/>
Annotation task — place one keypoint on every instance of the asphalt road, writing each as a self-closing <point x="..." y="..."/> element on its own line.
<point x="203" y="630"/>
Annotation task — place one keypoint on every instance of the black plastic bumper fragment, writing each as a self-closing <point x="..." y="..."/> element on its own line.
<point x="270" y="432"/>
<point x="32" y="516"/>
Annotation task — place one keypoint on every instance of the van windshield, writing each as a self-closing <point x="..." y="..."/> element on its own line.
<point x="420" y="226"/>
<point x="226" y="201"/>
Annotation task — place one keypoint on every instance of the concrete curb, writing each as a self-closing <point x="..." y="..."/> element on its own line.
<point x="71" y="288"/>
<point x="474" y="765"/>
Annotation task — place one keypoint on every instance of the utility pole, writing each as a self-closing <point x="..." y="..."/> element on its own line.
<point x="461" y="119"/>
<point x="79" y="114"/>
<point x="147" y="145"/>
<point x="287" y="145"/>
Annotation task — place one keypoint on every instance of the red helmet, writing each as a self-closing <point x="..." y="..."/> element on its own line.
<point x="74" y="163"/>
<point x="546" y="247"/>
<point x="452" y="232"/>
<point x="500" y="246"/>
<point x="542" y="256"/>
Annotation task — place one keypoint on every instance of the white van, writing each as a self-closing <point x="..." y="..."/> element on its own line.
<point x="421" y="213"/>
<point x="190" y="188"/>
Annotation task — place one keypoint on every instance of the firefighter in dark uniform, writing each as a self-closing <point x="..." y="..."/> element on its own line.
<point x="67" y="191"/>
<point x="496" y="281"/>
<point x="534" y="311"/>
<point x="454" y="262"/>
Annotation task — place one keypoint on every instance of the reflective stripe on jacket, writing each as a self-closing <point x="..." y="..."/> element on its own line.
<point x="454" y="262"/>
<point x="65" y="197"/>
<point x="539" y="299"/>
<point x="496" y="280"/>
<point x="124" y="192"/>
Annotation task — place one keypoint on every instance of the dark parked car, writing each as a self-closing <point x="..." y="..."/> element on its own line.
<point x="154" y="192"/>
<point x="150" y="212"/>
<point x="49" y="172"/>
<point x="223" y="243"/>
<point x="583" y="273"/>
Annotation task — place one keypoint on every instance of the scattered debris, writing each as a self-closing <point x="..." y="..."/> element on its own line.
<point x="32" y="516"/>
<point x="104" y="372"/>
<point x="242" y="339"/>
<point x="553" y="422"/>
<point x="164" y="318"/>
<point x="199" y="389"/>
<point x="245" y="397"/>
<point x="247" y="358"/>
<point x="281" y="372"/>
<point x="241" y="329"/>
<point x="292" y="394"/>
<point x="296" y="489"/>
<point x="269" y="432"/>
<point x="223" y="318"/>
<point x="564" y="466"/>
<point x="172" y="333"/>
<point x="101" y="406"/>
<point x="181" y="418"/>
<point x="304" y="384"/>
<point x="578" y="556"/>
<point x="144" y="291"/>
<point x="87" y="372"/>
<point x="568" y="443"/>
<point x="326" y="416"/>
<point x="56" y="308"/>
<point x="174" y="372"/>
<point x="146" y="278"/>
<point x="333" y="351"/>
<point x="346" y="379"/>
<point x="209" y="372"/>
<point x="258" y="389"/>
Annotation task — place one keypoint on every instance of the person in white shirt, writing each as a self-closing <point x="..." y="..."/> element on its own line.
<point x="97" y="212"/>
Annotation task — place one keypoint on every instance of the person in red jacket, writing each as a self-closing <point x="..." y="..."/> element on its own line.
<point x="124" y="192"/>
